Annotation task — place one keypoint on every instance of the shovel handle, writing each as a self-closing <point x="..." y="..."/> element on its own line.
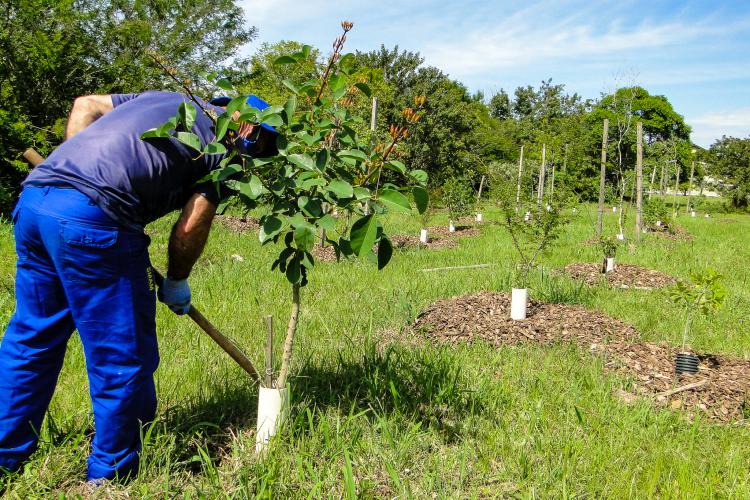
<point x="224" y="342"/>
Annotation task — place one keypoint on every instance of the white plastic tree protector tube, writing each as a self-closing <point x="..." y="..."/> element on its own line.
<point x="479" y="216"/>
<point x="423" y="236"/>
<point x="610" y="265"/>
<point x="451" y="227"/>
<point x="518" y="300"/>
<point x="273" y="410"/>
<point x="620" y="236"/>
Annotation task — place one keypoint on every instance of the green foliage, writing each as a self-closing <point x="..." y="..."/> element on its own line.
<point x="731" y="156"/>
<point x="655" y="210"/>
<point x="609" y="246"/>
<point x="704" y="294"/>
<point x="533" y="227"/>
<point x="57" y="50"/>
<point x="458" y="196"/>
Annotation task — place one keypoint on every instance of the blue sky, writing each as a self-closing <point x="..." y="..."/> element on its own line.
<point x="695" y="53"/>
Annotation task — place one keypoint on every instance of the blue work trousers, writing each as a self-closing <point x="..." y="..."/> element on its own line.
<point x="77" y="269"/>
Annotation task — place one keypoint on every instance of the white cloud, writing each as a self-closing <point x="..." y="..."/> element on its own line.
<point x="711" y="126"/>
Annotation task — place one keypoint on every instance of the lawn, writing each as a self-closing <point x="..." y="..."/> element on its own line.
<point x="379" y="412"/>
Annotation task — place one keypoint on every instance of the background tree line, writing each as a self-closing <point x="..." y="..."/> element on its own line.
<point x="55" y="50"/>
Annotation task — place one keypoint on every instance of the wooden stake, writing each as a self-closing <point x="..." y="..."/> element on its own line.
<point x="605" y="133"/>
<point x="676" y="186"/>
<point x="690" y="188"/>
<point x="481" y="185"/>
<point x="520" y="172"/>
<point x="639" y="181"/>
<point x="269" y="352"/>
<point x="540" y="186"/>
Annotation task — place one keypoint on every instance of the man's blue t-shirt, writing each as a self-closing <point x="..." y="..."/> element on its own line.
<point x="134" y="181"/>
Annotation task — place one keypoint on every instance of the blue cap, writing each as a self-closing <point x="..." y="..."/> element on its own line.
<point x="252" y="100"/>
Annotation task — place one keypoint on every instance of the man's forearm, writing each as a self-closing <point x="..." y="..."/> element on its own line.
<point x="189" y="236"/>
<point x="86" y="110"/>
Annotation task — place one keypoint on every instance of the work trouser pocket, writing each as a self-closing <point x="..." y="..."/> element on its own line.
<point x="90" y="253"/>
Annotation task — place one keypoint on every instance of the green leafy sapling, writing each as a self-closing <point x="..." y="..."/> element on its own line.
<point x="704" y="294"/>
<point x="533" y="234"/>
<point x="458" y="197"/>
<point x="322" y="165"/>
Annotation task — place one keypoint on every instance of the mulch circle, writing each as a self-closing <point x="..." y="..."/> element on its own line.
<point x="461" y="231"/>
<point x="485" y="316"/>
<point x="238" y="224"/>
<point x="624" y="276"/>
<point x="673" y="232"/>
<point x="724" y="397"/>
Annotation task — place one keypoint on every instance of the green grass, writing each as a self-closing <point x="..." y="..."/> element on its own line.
<point x="413" y="419"/>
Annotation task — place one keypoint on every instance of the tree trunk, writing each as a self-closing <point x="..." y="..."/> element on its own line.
<point x="639" y="180"/>
<point x="676" y="187"/>
<point x="651" y="184"/>
<point x="286" y="356"/>
<point x="520" y="173"/>
<point x="605" y="132"/>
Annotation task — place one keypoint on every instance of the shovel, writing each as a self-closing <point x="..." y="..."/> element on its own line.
<point x="224" y="342"/>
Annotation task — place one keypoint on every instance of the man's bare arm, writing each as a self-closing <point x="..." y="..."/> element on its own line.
<point x="189" y="235"/>
<point x="86" y="110"/>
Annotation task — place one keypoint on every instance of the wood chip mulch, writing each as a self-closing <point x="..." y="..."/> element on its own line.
<point x="725" y="397"/>
<point x="624" y="276"/>
<point x="239" y="224"/>
<point x="485" y="316"/>
<point x="461" y="231"/>
<point x="667" y="232"/>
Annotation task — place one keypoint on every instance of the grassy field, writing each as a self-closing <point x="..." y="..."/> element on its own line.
<point x="413" y="420"/>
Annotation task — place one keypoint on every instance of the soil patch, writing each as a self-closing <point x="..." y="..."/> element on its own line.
<point x="399" y="242"/>
<point x="239" y="224"/>
<point x="722" y="395"/>
<point x="624" y="276"/>
<point x="462" y="231"/>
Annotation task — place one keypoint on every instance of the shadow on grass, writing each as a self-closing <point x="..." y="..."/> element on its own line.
<point x="396" y="383"/>
<point x="424" y="386"/>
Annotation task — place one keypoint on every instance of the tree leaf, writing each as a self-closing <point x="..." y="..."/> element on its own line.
<point x="340" y="188"/>
<point x="222" y="124"/>
<point x="291" y="86"/>
<point x="285" y="60"/>
<point x="293" y="272"/>
<point x="186" y="112"/>
<point x="327" y="222"/>
<point x="153" y="133"/>
<point x="272" y="226"/>
<point x="321" y="158"/>
<point x="361" y="193"/>
<point x="189" y="139"/>
<point x="225" y="84"/>
<point x="419" y="175"/>
<point x="385" y="251"/>
<point x="289" y="107"/>
<point x="397" y="166"/>
<point x="273" y="120"/>
<point x="421" y="198"/>
<point x="354" y="154"/>
<point x="304" y="237"/>
<point x="395" y="201"/>
<point x="301" y="160"/>
<point x="362" y="234"/>
<point x="214" y="148"/>
<point x="364" y="88"/>
<point x="337" y="81"/>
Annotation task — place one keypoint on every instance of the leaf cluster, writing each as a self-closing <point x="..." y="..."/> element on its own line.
<point x="704" y="293"/>
<point x="322" y="165"/>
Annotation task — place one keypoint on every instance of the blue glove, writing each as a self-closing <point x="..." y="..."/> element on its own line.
<point x="175" y="294"/>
